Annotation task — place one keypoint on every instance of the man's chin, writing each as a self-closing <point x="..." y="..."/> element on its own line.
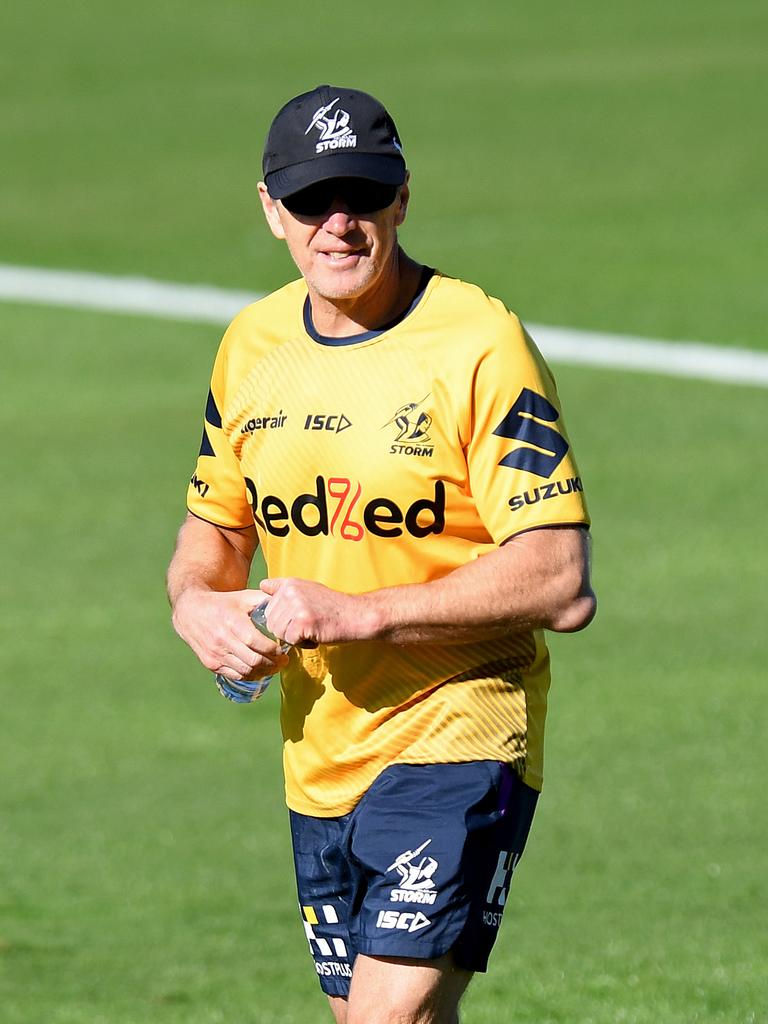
<point x="341" y="285"/>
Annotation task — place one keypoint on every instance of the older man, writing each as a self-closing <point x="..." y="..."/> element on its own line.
<point x="393" y="440"/>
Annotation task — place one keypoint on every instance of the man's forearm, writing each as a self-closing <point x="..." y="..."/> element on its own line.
<point x="534" y="582"/>
<point x="208" y="591"/>
<point x="539" y="580"/>
<point x="207" y="558"/>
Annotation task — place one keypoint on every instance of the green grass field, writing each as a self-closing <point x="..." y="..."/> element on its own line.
<point x="597" y="166"/>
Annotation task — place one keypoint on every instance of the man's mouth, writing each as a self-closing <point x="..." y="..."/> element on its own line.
<point x="343" y="257"/>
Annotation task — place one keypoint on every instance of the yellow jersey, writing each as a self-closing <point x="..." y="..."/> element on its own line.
<point x="392" y="457"/>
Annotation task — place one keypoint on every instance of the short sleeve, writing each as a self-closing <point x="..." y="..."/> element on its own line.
<point x="217" y="490"/>
<point x="522" y="470"/>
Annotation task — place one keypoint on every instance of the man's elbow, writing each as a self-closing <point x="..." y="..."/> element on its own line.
<point x="575" y="614"/>
<point x="574" y="603"/>
<point x="577" y="605"/>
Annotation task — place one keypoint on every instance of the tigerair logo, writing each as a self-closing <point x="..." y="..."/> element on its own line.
<point x="333" y="125"/>
<point x="274" y="422"/>
<point x="336" y="508"/>
<point x="412" y="429"/>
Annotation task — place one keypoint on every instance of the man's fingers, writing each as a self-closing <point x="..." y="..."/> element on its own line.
<point x="245" y="653"/>
<point x="253" y="598"/>
<point x="234" y="669"/>
<point x="253" y="667"/>
<point x="250" y="675"/>
<point x="257" y="650"/>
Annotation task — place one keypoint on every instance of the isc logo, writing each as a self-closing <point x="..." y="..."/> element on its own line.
<point x="408" y="922"/>
<point x="335" y="422"/>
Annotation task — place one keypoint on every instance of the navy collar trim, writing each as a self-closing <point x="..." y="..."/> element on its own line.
<point x="354" y="339"/>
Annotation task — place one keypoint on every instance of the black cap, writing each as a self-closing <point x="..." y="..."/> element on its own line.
<point x="331" y="133"/>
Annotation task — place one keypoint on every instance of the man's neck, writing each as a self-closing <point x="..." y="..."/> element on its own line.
<point x="391" y="296"/>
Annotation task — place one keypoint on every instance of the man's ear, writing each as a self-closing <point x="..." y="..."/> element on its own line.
<point x="269" y="206"/>
<point x="404" y="197"/>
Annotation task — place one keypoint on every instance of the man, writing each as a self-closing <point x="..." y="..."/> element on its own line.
<point x="392" y="439"/>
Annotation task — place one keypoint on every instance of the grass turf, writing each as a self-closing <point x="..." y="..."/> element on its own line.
<point x="145" y="866"/>
<point x="597" y="165"/>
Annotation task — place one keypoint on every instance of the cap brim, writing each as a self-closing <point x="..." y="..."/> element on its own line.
<point x="388" y="170"/>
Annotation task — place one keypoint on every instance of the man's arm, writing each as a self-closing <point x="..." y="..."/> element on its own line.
<point x="207" y="588"/>
<point x="539" y="579"/>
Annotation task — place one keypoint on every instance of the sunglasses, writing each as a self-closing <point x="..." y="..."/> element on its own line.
<point x="358" y="194"/>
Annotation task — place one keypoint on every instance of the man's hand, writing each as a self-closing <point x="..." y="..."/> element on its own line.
<point x="304" y="613"/>
<point x="217" y="628"/>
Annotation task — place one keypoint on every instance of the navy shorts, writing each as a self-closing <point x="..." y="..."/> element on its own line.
<point x="421" y="866"/>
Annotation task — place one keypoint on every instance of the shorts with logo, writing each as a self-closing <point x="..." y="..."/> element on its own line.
<point x="421" y="866"/>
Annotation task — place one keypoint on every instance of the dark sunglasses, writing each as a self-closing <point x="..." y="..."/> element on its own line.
<point x="358" y="194"/>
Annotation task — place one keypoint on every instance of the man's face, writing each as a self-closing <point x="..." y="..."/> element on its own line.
<point x="341" y="253"/>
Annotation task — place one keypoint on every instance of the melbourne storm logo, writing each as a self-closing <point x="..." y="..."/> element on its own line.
<point x="412" y="426"/>
<point x="333" y="125"/>
<point x="416" y="876"/>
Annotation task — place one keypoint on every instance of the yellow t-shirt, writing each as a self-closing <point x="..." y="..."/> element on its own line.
<point x="391" y="458"/>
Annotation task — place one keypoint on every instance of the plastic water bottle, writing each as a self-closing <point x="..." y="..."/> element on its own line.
<point x="242" y="691"/>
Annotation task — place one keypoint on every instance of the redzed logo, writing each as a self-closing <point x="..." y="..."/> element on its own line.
<point x="335" y="508"/>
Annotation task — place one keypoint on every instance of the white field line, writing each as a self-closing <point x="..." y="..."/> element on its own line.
<point x="139" y="295"/>
<point x="208" y="304"/>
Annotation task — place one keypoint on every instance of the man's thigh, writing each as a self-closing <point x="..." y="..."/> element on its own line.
<point x="386" y="989"/>
<point x="419" y="870"/>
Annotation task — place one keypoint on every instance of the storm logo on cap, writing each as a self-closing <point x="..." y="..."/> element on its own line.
<point x="334" y="129"/>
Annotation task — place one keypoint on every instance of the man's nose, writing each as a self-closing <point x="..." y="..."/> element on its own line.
<point x="339" y="220"/>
